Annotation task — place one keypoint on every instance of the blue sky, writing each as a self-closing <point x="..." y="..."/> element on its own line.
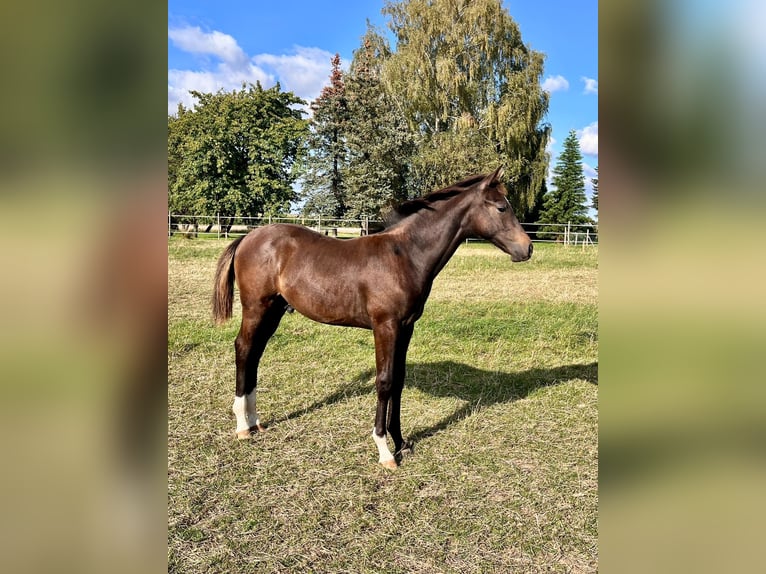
<point x="214" y="45"/>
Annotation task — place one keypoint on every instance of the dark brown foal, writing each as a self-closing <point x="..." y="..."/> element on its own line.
<point x="379" y="282"/>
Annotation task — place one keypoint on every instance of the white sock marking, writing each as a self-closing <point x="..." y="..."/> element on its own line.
<point x="240" y="411"/>
<point x="244" y="410"/>
<point x="380" y="441"/>
<point x="251" y="413"/>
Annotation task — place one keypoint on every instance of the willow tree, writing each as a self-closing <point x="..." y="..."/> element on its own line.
<point x="470" y="90"/>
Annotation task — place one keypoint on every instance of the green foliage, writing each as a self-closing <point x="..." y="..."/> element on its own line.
<point x="379" y="142"/>
<point x="446" y="157"/>
<point x="566" y="203"/>
<point x="594" y="202"/>
<point x="459" y="95"/>
<point x="531" y="214"/>
<point x="360" y="145"/>
<point x="470" y="91"/>
<point x="233" y="153"/>
<point x="324" y="183"/>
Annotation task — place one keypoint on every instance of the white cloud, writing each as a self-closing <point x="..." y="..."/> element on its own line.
<point x="304" y="72"/>
<point x="588" y="139"/>
<point x="591" y="85"/>
<point x="215" y="43"/>
<point x="180" y="82"/>
<point x="555" y="84"/>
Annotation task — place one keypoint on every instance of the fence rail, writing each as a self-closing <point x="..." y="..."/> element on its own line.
<point x="220" y="226"/>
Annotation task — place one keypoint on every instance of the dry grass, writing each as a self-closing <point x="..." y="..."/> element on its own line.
<point x="550" y="285"/>
<point x="501" y="400"/>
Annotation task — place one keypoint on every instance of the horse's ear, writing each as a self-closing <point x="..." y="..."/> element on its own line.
<point x="492" y="178"/>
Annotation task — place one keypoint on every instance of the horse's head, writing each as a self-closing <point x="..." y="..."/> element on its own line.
<point x="492" y="218"/>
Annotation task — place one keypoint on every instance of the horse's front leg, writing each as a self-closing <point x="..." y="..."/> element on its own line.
<point x="386" y="334"/>
<point x="394" y="409"/>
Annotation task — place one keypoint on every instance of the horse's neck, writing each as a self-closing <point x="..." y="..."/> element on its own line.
<point x="435" y="236"/>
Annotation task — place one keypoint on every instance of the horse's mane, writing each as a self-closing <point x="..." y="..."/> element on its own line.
<point x="412" y="206"/>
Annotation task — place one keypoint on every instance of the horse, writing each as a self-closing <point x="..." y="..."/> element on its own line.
<point x="378" y="282"/>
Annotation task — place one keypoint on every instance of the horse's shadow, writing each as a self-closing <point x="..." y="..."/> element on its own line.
<point x="477" y="387"/>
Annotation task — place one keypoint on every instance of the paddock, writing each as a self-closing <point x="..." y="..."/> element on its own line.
<point x="500" y="399"/>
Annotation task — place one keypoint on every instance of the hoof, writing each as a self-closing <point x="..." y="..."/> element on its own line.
<point x="245" y="434"/>
<point x="390" y="464"/>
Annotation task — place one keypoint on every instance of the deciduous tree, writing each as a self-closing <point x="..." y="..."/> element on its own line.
<point x="470" y="91"/>
<point x="234" y="152"/>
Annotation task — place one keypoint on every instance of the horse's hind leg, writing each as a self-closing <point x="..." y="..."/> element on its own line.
<point x="259" y="323"/>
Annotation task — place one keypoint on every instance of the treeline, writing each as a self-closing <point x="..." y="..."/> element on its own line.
<point x="459" y="94"/>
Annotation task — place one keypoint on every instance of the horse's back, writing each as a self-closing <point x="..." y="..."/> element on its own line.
<point x="286" y="239"/>
<point x="269" y="254"/>
<point x="337" y="281"/>
<point x="280" y="241"/>
<point x="324" y="278"/>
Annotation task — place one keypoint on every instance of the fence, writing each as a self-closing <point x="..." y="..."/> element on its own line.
<point x="566" y="233"/>
<point x="218" y="226"/>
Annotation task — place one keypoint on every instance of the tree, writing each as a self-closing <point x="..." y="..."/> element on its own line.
<point x="566" y="202"/>
<point x="379" y="142"/>
<point x="234" y="152"/>
<point x="533" y="214"/>
<point x="470" y="91"/>
<point x="594" y="201"/>
<point x="324" y="186"/>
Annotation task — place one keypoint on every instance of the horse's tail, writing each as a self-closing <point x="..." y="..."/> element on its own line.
<point x="223" y="291"/>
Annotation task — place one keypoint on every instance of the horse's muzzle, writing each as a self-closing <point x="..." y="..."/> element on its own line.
<point x="518" y="255"/>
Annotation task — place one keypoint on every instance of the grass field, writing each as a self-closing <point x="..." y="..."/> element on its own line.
<point x="500" y="399"/>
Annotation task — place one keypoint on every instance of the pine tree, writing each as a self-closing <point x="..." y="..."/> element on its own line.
<point x="324" y="187"/>
<point x="532" y="214"/>
<point x="379" y="143"/>
<point x="594" y="181"/>
<point x="566" y="202"/>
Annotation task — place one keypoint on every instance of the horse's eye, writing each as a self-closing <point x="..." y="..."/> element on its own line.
<point x="502" y="209"/>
